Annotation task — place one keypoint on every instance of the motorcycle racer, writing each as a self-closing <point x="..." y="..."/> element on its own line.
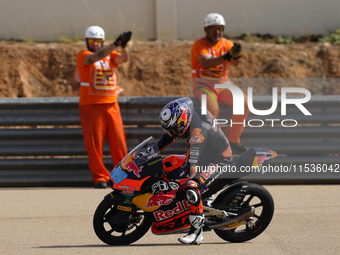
<point x="208" y="147"/>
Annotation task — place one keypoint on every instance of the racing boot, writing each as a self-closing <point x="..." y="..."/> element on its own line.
<point x="195" y="235"/>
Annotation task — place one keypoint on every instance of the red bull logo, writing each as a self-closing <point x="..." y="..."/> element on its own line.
<point x="130" y="165"/>
<point x="183" y="118"/>
<point x="161" y="199"/>
<point x="261" y="159"/>
<point x="161" y="215"/>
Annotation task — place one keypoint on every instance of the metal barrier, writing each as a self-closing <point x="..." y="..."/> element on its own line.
<point x="41" y="141"/>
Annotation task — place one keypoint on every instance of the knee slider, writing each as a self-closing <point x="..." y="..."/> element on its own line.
<point x="193" y="197"/>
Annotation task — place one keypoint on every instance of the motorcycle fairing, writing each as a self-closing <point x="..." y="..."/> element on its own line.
<point x="178" y="224"/>
<point x="252" y="158"/>
<point x="114" y="196"/>
<point x="173" y="162"/>
<point x="255" y="157"/>
<point x="140" y="163"/>
<point x="128" y="184"/>
<point x="149" y="202"/>
<point x="263" y="155"/>
<point x="171" y="219"/>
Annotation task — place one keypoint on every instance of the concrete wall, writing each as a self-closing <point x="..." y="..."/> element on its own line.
<point x="50" y="20"/>
<point x="276" y="17"/>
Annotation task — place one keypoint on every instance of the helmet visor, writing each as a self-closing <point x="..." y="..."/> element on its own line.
<point x="177" y="131"/>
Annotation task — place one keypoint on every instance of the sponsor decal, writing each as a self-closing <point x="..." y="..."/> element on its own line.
<point x="127" y="192"/>
<point x="117" y="175"/>
<point x="130" y="165"/>
<point x="183" y="118"/>
<point x="154" y="162"/>
<point x="178" y="224"/>
<point x="261" y="159"/>
<point x="124" y="187"/>
<point x="153" y="156"/>
<point x="161" y="215"/>
<point x="160" y="199"/>
<point x="124" y="208"/>
<point x="234" y="225"/>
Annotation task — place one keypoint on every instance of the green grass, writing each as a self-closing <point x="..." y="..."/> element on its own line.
<point x="333" y="37"/>
<point x="252" y="38"/>
<point x="284" y="40"/>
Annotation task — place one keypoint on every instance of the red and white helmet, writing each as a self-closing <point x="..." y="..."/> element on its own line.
<point x="214" y="19"/>
<point x="95" y="32"/>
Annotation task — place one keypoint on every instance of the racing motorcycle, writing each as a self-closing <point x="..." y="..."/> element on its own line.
<point x="240" y="212"/>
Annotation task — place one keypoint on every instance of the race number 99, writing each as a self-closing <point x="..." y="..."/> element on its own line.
<point x="118" y="175"/>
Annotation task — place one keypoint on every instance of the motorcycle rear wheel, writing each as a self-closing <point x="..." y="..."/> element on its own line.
<point x="261" y="199"/>
<point x="138" y="225"/>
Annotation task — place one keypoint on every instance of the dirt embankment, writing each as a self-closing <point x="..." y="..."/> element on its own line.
<point x="160" y="68"/>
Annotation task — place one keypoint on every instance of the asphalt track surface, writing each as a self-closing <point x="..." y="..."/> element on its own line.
<point x="59" y="221"/>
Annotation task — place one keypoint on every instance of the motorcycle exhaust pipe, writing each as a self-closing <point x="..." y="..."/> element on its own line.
<point x="239" y="219"/>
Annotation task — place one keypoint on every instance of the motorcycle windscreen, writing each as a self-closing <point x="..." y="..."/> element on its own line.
<point x="143" y="161"/>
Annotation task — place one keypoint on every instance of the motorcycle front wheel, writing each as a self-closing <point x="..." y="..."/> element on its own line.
<point x="261" y="199"/>
<point x="138" y="224"/>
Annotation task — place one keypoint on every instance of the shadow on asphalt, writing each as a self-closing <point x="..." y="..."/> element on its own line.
<point x="130" y="245"/>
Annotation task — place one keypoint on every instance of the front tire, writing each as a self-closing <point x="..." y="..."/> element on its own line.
<point x="137" y="226"/>
<point x="261" y="199"/>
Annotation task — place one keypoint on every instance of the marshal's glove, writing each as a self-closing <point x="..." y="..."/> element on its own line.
<point x="234" y="53"/>
<point x="123" y="39"/>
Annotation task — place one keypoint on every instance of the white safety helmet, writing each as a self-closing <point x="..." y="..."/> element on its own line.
<point x="214" y="19"/>
<point x="95" y="32"/>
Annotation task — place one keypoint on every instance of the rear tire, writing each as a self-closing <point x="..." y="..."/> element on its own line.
<point x="138" y="225"/>
<point x="261" y="199"/>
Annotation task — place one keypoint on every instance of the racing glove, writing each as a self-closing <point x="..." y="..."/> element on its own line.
<point x="159" y="186"/>
<point x="163" y="186"/>
<point x="123" y="39"/>
<point x="173" y="185"/>
<point x="234" y="53"/>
